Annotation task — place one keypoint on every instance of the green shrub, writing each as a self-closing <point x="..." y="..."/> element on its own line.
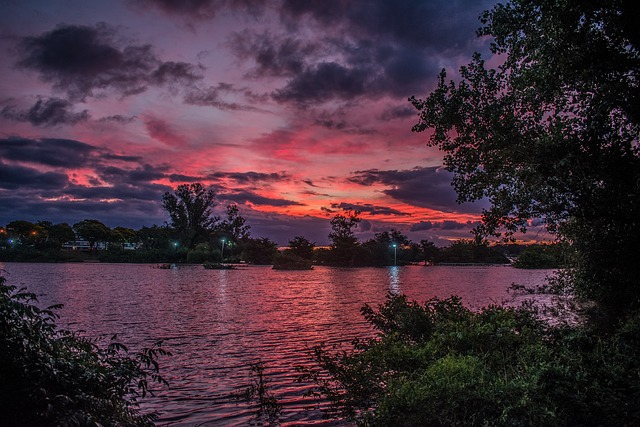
<point x="540" y="256"/>
<point x="50" y="376"/>
<point x="440" y="364"/>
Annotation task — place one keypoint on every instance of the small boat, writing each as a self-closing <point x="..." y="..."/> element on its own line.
<point x="218" y="266"/>
<point x="166" y="266"/>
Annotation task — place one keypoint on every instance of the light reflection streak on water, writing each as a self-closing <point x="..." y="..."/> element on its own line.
<point x="394" y="280"/>
<point x="219" y="322"/>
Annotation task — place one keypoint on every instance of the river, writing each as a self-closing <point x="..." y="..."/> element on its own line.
<point x="218" y="323"/>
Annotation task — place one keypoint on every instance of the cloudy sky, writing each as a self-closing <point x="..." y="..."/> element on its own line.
<point x="294" y="110"/>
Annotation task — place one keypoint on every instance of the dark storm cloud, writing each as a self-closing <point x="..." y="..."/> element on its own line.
<point x="244" y="196"/>
<point x="398" y="112"/>
<point x="331" y="120"/>
<point x="140" y="191"/>
<point x="455" y="225"/>
<point x="368" y="208"/>
<point x="425" y="187"/>
<point x="117" y="195"/>
<point x="70" y="154"/>
<point x="274" y="55"/>
<point x="86" y="61"/>
<point x="382" y="47"/>
<point x="118" y="118"/>
<point x="334" y="119"/>
<point x="110" y="156"/>
<point x="200" y="9"/>
<point x="47" y="151"/>
<point x="423" y="226"/>
<point x="13" y="177"/>
<point x="251" y="177"/>
<point x="325" y="81"/>
<point x="443" y="225"/>
<point x="438" y="24"/>
<point x="144" y="174"/>
<point x="213" y="96"/>
<point x="175" y="74"/>
<point x="177" y="177"/>
<point x="46" y="112"/>
<point x="372" y="72"/>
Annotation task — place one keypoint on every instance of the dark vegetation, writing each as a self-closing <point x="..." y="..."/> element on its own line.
<point x="440" y="364"/>
<point x="53" y="377"/>
<point x="290" y="261"/>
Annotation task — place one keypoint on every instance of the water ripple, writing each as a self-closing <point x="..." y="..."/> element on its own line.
<point x="219" y="323"/>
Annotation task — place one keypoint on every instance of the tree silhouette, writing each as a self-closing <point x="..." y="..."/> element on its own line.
<point x="189" y="208"/>
<point x="92" y="231"/>
<point x="552" y="133"/>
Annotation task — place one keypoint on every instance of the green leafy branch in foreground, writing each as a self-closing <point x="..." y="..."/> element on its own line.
<point x="50" y="376"/>
<point x="268" y="407"/>
<point x="441" y="364"/>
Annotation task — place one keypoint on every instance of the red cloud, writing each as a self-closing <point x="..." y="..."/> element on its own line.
<point x="160" y="130"/>
<point x="299" y="144"/>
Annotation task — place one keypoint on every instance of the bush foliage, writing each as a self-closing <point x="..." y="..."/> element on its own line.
<point x="54" y="377"/>
<point x="440" y="364"/>
<point x="288" y="260"/>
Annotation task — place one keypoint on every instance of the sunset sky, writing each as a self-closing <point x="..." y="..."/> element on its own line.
<point x="294" y="110"/>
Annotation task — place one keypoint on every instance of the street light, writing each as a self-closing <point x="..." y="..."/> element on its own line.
<point x="175" y="246"/>
<point x="222" y="251"/>
<point x="395" y="248"/>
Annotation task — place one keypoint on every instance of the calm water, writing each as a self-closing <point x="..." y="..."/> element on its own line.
<point x="217" y="323"/>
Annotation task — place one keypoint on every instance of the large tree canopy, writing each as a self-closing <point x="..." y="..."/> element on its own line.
<point x="552" y="133"/>
<point x="93" y="231"/>
<point x="190" y="210"/>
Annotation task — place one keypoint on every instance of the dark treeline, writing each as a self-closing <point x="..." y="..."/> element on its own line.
<point x="196" y="236"/>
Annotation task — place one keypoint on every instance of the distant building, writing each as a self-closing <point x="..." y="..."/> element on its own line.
<point x="83" y="245"/>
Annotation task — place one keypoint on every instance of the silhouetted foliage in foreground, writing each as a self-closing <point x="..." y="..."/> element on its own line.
<point x="440" y="364"/>
<point x="53" y="377"/>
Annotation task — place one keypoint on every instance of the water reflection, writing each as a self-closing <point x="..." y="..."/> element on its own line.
<point x="394" y="279"/>
<point x="218" y="323"/>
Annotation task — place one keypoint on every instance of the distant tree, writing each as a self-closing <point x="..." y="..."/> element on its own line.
<point x="471" y="251"/>
<point x="380" y="249"/>
<point x="287" y="260"/>
<point x="124" y="235"/>
<point x="158" y="237"/>
<point x="541" y="256"/>
<point x="344" y="243"/>
<point x="429" y="251"/>
<point x="259" y="251"/>
<point x="61" y="233"/>
<point x="57" y="234"/>
<point x="234" y="226"/>
<point x="552" y="133"/>
<point x="301" y="247"/>
<point x="92" y="231"/>
<point x="27" y="232"/>
<point x="190" y="210"/>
